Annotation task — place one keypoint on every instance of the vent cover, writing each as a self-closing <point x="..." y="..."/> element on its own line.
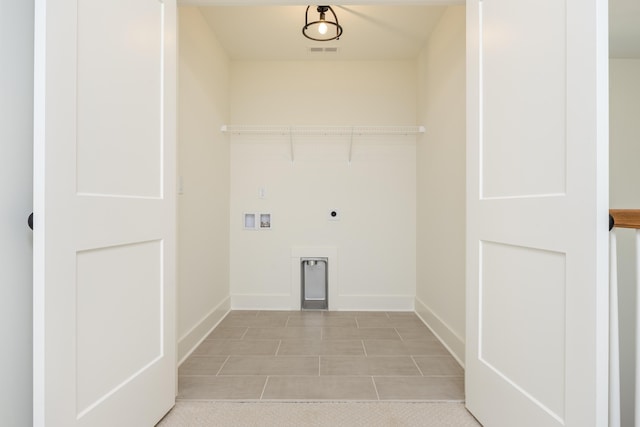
<point x="319" y="50"/>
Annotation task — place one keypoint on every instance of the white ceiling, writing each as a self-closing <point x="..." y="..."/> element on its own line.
<point x="372" y="32"/>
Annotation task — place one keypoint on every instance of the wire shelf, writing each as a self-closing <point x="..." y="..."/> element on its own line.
<point x="294" y="131"/>
<point x="323" y="130"/>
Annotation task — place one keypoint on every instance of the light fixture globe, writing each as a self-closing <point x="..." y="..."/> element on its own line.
<point x="321" y="30"/>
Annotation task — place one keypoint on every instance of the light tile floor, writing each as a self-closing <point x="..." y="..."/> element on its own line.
<point x="321" y="355"/>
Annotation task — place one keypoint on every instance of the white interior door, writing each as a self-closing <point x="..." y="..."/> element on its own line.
<point x="537" y="212"/>
<point x="104" y="235"/>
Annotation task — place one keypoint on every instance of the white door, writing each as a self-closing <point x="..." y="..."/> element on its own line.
<point x="104" y="232"/>
<point x="537" y="212"/>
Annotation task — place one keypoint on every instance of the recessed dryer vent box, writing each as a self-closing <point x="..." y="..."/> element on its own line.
<point x="314" y="282"/>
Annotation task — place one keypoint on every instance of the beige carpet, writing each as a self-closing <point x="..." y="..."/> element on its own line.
<point x="351" y="414"/>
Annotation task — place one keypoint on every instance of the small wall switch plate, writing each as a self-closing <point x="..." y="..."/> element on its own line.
<point x="262" y="193"/>
<point x="334" y="215"/>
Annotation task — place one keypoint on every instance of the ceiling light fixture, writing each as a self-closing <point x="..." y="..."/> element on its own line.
<point x="319" y="30"/>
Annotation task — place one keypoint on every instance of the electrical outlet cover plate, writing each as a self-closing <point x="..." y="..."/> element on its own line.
<point x="334" y="215"/>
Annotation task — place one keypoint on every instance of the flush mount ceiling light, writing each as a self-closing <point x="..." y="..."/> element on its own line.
<point x="319" y="30"/>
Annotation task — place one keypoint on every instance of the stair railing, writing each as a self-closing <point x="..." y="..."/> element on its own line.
<point x="621" y="218"/>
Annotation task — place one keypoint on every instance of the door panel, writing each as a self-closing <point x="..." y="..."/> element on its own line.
<point x="104" y="203"/>
<point x="537" y="201"/>
<point x="523" y="76"/>
<point x="110" y="70"/>
<point x="119" y="304"/>
<point x="535" y="342"/>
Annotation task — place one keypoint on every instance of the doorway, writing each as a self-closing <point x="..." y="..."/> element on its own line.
<point x="380" y="185"/>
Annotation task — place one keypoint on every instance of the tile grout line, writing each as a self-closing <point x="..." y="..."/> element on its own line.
<point x="278" y="349"/>
<point x="416" y="363"/>
<point x="244" y="333"/>
<point x="396" y="329"/>
<point x="375" y="387"/>
<point x="319" y="368"/>
<point x="222" y="366"/>
<point x="264" y="387"/>
<point x="364" y="348"/>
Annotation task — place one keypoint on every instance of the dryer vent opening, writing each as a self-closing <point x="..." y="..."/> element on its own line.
<point x="314" y="275"/>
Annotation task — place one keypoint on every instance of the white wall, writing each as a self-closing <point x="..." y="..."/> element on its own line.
<point x="440" y="288"/>
<point x="374" y="241"/>
<point x="16" y="170"/>
<point x="203" y="164"/>
<point x="624" y="155"/>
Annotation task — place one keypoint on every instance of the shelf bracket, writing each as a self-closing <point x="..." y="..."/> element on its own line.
<point x="349" y="131"/>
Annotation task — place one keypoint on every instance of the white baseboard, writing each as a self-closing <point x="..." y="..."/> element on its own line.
<point x="338" y="303"/>
<point x="192" y="339"/>
<point x="375" y="302"/>
<point x="262" y="302"/>
<point x="449" y="338"/>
